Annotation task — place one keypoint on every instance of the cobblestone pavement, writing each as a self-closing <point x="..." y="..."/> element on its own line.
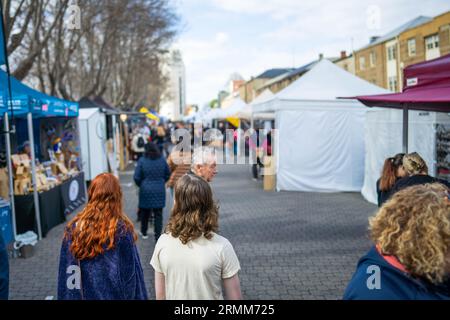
<point x="291" y="245"/>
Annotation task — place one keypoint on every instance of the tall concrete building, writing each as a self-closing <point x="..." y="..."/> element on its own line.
<point x="173" y="104"/>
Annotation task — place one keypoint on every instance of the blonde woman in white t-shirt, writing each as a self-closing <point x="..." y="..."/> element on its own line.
<point x="191" y="260"/>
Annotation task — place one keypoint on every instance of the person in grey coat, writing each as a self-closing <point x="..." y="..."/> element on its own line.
<point x="151" y="175"/>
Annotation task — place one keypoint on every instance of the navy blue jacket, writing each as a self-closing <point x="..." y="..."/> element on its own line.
<point x="394" y="283"/>
<point x="151" y="177"/>
<point x="115" y="275"/>
<point x="4" y="270"/>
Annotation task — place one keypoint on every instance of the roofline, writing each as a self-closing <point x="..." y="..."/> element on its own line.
<point x="395" y="36"/>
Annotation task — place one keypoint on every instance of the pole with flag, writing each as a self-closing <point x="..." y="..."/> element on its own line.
<point x="8" y="130"/>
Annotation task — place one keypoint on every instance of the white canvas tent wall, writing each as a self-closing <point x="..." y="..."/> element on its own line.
<point x="383" y="136"/>
<point x="320" y="140"/>
<point x="92" y="125"/>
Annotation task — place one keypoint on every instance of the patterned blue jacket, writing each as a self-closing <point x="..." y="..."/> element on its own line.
<point x="115" y="275"/>
<point x="151" y="177"/>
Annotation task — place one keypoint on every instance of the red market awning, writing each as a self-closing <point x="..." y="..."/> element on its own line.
<point x="427" y="99"/>
<point x="426" y="87"/>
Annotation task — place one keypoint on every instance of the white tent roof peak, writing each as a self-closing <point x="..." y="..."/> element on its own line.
<point x="266" y="95"/>
<point x="327" y="81"/>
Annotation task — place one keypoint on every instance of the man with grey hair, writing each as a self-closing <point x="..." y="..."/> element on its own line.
<point x="204" y="163"/>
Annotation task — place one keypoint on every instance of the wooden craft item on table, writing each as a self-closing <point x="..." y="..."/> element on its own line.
<point x="4" y="184"/>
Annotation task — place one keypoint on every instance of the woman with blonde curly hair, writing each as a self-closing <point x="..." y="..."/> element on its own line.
<point x="191" y="260"/>
<point x="411" y="256"/>
<point x="99" y="259"/>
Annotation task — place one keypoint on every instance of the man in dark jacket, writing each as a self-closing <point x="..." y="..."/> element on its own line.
<point x="4" y="270"/>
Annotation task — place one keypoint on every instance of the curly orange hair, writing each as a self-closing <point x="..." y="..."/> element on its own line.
<point x="93" y="230"/>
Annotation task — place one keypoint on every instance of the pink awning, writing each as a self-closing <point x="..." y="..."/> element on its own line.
<point x="426" y="87"/>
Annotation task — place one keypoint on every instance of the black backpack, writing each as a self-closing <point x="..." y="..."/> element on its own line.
<point x="140" y="142"/>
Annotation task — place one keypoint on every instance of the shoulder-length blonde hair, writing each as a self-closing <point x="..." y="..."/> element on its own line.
<point x="194" y="211"/>
<point x="414" y="226"/>
<point x="94" y="230"/>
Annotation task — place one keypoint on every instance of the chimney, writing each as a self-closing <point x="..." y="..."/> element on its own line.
<point x="320" y="56"/>
<point x="373" y="39"/>
<point x="343" y="54"/>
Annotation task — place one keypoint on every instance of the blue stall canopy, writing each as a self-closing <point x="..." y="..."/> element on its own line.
<point x="21" y="104"/>
<point x="40" y="104"/>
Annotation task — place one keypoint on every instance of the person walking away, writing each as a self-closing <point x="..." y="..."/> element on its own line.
<point x="416" y="173"/>
<point x="99" y="259"/>
<point x="265" y="148"/>
<point x="179" y="162"/>
<point x="138" y="145"/>
<point x="410" y="258"/>
<point x="151" y="175"/>
<point x="391" y="172"/>
<point x="191" y="261"/>
<point x="159" y="138"/>
<point x="4" y="270"/>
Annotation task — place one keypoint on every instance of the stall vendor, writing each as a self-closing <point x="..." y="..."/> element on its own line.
<point x="25" y="148"/>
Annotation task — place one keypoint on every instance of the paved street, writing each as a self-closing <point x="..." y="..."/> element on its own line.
<point x="291" y="245"/>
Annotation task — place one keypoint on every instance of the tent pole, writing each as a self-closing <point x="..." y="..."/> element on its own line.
<point x="405" y="128"/>
<point x="10" y="175"/>
<point x="33" y="175"/>
<point x="114" y="127"/>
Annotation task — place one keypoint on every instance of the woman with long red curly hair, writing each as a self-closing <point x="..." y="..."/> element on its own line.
<point x="99" y="259"/>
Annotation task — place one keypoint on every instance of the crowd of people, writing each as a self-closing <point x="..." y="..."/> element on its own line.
<point x="409" y="258"/>
<point x="99" y="258"/>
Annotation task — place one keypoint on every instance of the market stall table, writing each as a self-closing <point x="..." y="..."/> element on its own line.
<point x="54" y="205"/>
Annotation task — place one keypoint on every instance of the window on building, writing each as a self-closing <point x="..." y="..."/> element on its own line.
<point x="372" y="59"/>
<point x="393" y="83"/>
<point x="432" y="50"/>
<point x="412" y="47"/>
<point x="362" y="63"/>
<point x="392" y="52"/>
<point x="432" y="42"/>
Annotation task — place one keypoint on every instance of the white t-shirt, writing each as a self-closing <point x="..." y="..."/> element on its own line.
<point x="195" y="271"/>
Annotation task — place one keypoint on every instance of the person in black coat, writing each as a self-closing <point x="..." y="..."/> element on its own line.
<point x="392" y="171"/>
<point x="152" y="173"/>
<point x="4" y="270"/>
<point x="417" y="173"/>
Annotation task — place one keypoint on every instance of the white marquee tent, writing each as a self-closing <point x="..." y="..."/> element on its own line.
<point x="320" y="139"/>
<point x="236" y="106"/>
<point x="247" y="111"/>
